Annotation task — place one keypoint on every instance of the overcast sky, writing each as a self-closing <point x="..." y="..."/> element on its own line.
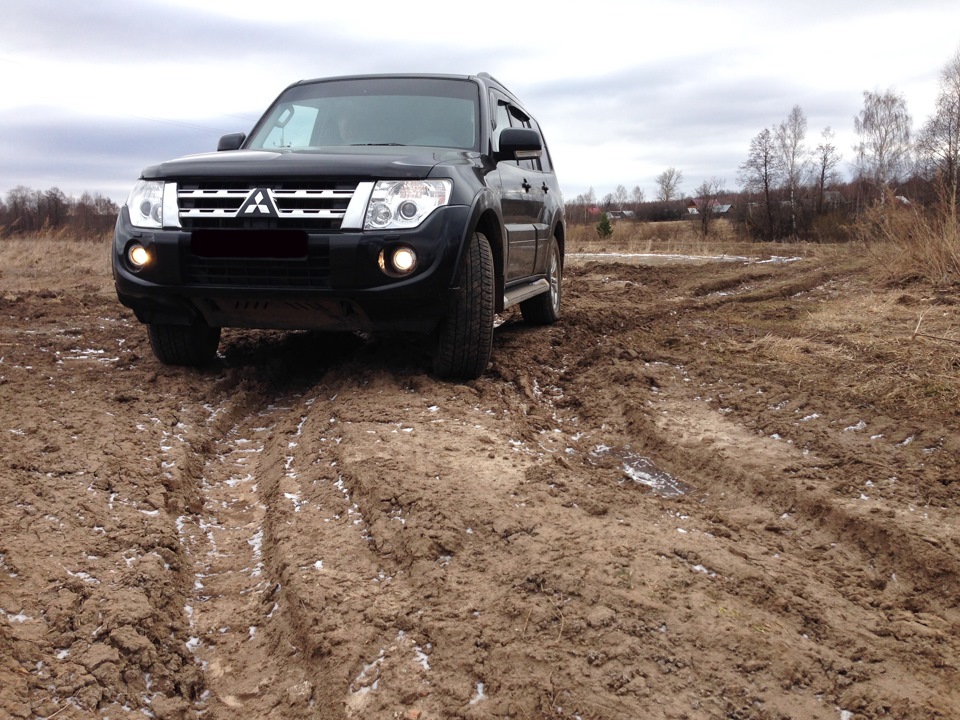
<point x="93" y="91"/>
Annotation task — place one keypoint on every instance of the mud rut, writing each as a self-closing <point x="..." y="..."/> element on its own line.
<point x="322" y="530"/>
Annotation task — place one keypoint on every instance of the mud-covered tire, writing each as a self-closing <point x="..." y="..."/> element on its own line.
<point x="465" y="336"/>
<point x="544" y="309"/>
<point x="192" y="345"/>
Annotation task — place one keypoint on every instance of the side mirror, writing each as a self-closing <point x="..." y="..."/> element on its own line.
<point x="233" y="141"/>
<point x="519" y="144"/>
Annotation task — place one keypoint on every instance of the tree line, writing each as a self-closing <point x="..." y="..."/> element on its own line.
<point x="790" y="188"/>
<point x="25" y="211"/>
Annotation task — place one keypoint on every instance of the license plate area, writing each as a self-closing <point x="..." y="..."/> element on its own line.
<point x="274" y="243"/>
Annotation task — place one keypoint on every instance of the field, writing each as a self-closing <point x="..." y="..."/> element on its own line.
<point x="723" y="489"/>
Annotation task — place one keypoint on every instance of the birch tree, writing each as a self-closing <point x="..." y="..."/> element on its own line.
<point x="792" y="159"/>
<point x="938" y="145"/>
<point x="883" y="150"/>
<point x="620" y="197"/>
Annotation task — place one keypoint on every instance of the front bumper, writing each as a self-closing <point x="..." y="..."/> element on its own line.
<point x="337" y="284"/>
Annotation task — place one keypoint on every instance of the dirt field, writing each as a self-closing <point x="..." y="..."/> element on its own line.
<point x="726" y="490"/>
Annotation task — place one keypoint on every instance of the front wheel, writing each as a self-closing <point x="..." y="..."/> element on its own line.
<point x="194" y="345"/>
<point x="465" y="338"/>
<point x="544" y="309"/>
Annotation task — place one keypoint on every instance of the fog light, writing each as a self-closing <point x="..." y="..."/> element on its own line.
<point x="398" y="261"/>
<point x="138" y="256"/>
<point x="404" y="259"/>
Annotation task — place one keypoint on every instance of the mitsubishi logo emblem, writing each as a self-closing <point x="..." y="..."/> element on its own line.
<point x="259" y="203"/>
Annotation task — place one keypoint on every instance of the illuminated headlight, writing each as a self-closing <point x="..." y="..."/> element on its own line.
<point x="400" y="204"/>
<point x="145" y="204"/>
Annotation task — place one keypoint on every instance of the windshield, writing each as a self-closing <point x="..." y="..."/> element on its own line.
<point x="428" y="112"/>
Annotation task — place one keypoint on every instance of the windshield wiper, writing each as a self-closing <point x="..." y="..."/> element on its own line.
<point x="378" y="144"/>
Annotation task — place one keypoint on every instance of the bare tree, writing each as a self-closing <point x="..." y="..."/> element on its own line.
<point x="620" y="197"/>
<point x="826" y="159"/>
<point x="56" y="207"/>
<point x="707" y="199"/>
<point x="761" y="173"/>
<point x="938" y="145"/>
<point x="27" y="211"/>
<point x="584" y="202"/>
<point x="883" y="151"/>
<point x="790" y="135"/>
<point x="636" y="197"/>
<point x="668" y="185"/>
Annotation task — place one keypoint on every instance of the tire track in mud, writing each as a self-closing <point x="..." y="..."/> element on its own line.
<point x="885" y="591"/>
<point x="399" y="607"/>
<point x="284" y="616"/>
<point x="351" y="556"/>
<point x="238" y="631"/>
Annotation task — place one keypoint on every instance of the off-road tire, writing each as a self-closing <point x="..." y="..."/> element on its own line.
<point x="465" y="336"/>
<point x="544" y="309"/>
<point x="194" y="345"/>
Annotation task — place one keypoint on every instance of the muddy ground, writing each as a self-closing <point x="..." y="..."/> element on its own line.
<point x="717" y="491"/>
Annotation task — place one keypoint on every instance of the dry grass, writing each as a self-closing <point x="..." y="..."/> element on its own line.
<point x="797" y="351"/>
<point x="44" y="262"/>
<point x="912" y="243"/>
<point x="858" y="313"/>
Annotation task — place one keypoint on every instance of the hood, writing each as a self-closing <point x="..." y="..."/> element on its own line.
<point x="361" y="163"/>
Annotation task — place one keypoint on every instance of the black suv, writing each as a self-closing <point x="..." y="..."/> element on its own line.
<point x="420" y="203"/>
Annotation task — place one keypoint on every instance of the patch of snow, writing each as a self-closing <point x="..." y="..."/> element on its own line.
<point x="478" y="695"/>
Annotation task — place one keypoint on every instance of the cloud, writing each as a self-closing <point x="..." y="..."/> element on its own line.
<point x="98" y="89"/>
<point x="80" y="154"/>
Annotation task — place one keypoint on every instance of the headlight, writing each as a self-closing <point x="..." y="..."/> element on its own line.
<point x="399" y="204"/>
<point x="146" y="204"/>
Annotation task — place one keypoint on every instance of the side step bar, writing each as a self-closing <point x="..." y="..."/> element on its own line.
<point x="516" y="295"/>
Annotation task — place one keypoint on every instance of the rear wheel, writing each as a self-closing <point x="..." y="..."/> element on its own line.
<point x="544" y="309"/>
<point x="194" y="345"/>
<point x="465" y="338"/>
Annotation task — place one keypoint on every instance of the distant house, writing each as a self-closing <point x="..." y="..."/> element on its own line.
<point x="832" y="198"/>
<point x="695" y="206"/>
<point x="621" y="214"/>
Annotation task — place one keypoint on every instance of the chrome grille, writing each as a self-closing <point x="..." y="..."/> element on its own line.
<point x="306" y="205"/>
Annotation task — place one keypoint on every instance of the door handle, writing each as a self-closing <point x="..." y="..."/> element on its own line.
<point x="525" y="185"/>
<point x="545" y="188"/>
